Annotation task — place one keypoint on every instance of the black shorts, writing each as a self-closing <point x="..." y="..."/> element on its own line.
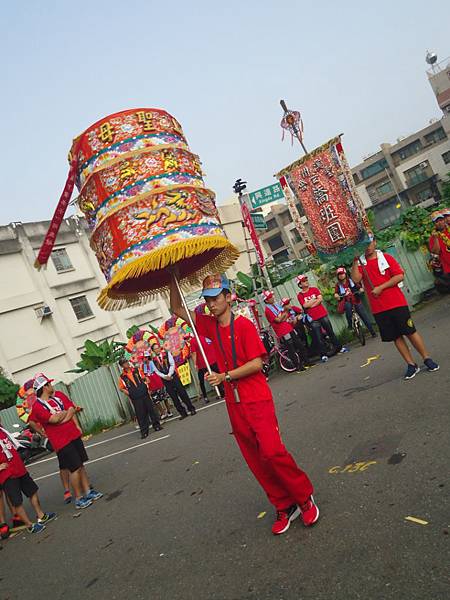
<point x="394" y="323"/>
<point x="15" y="486"/>
<point x="72" y="456"/>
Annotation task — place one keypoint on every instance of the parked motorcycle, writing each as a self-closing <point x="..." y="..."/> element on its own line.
<point x="32" y="443"/>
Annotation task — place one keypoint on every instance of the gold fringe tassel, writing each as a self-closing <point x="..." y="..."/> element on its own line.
<point x="112" y="299"/>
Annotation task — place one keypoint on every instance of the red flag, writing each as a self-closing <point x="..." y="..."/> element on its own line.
<point x="55" y="224"/>
<point x="251" y="228"/>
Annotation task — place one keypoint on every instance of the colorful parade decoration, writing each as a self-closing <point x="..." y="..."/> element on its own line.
<point x="143" y="196"/>
<point x="321" y="182"/>
<point x="176" y="334"/>
<point x="26" y="397"/>
<point x="292" y="122"/>
<point x="138" y="348"/>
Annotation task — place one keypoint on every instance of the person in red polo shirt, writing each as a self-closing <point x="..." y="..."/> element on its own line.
<point x="249" y="401"/>
<point x="279" y="319"/>
<point x="382" y="275"/>
<point x="200" y="364"/>
<point x="439" y="242"/>
<point x="56" y="412"/>
<point x="311" y="301"/>
<point x="15" y="481"/>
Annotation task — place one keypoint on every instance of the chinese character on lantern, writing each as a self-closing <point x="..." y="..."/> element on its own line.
<point x="305" y="172"/>
<point x="146" y="118"/>
<point x="106" y="132"/>
<point x="327" y="213"/>
<point x="335" y="232"/>
<point x="320" y="195"/>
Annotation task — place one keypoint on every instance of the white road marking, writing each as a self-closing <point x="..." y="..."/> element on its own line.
<point x="109" y="455"/>
<point x="116" y="437"/>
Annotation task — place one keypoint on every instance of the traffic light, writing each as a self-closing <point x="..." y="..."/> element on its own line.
<point x="239" y="186"/>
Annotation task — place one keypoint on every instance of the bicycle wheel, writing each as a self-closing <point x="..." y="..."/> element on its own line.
<point x="285" y="362"/>
<point x="359" y="331"/>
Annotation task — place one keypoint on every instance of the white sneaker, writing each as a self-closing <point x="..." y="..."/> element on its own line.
<point x="324" y="358"/>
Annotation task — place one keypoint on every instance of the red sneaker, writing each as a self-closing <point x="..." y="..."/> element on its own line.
<point x="4" y="531"/>
<point x="284" y="518"/>
<point x="310" y="512"/>
<point x="67" y="497"/>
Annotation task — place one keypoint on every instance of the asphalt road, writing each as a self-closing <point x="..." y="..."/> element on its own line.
<point x="183" y="518"/>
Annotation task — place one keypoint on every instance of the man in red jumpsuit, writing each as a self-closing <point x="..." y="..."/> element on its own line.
<point x="249" y="401"/>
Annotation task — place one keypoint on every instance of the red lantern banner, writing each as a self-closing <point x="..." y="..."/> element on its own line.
<point x="322" y="183"/>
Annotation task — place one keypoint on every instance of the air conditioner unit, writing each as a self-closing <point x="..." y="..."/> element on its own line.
<point x="423" y="165"/>
<point x="43" y="311"/>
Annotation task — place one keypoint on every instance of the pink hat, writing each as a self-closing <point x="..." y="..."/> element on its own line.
<point x="340" y="270"/>
<point x="285" y="301"/>
<point x="300" y="278"/>
<point x="266" y="295"/>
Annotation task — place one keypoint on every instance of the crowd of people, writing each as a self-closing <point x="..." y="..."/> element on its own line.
<point x="56" y="414"/>
<point x="233" y="348"/>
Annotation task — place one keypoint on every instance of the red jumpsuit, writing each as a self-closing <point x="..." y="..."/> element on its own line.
<point x="253" y="419"/>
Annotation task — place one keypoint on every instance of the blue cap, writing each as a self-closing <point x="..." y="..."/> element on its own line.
<point x="214" y="284"/>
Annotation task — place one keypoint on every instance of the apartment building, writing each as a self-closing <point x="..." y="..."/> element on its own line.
<point x="46" y="316"/>
<point x="281" y="241"/>
<point x="407" y="173"/>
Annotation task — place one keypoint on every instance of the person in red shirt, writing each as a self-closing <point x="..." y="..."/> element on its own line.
<point x="158" y="394"/>
<point x="200" y="364"/>
<point x="382" y="275"/>
<point x="249" y="402"/>
<point x="279" y="319"/>
<point x="439" y="242"/>
<point x="56" y="413"/>
<point x="349" y="293"/>
<point x="310" y="299"/>
<point x="15" y="481"/>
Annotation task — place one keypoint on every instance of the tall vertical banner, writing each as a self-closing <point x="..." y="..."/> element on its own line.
<point x="253" y="235"/>
<point x="322" y="183"/>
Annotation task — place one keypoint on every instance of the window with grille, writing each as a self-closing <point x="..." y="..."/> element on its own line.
<point x="61" y="260"/>
<point x="446" y="157"/>
<point x="81" y="307"/>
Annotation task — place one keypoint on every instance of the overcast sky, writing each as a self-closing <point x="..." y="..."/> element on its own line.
<point x="221" y="69"/>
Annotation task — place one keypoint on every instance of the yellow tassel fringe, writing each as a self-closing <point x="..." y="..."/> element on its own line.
<point x="112" y="299"/>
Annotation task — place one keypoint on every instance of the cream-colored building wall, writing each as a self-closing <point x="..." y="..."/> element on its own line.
<point x="29" y="344"/>
<point x="364" y="195"/>
<point x="433" y="155"/>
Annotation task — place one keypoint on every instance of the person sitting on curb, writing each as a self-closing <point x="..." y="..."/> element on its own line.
<point x="347" y="292"/>
<point x="15" y="481"/>
<point x="132" y="383"/>
<point x="163" y="364"/>
<point x="310" y="299"/>
<point x="57" y="414"/>
<point x="279" y="318"/>
<point x="382" y="277"/>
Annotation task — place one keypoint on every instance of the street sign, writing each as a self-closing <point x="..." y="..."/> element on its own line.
<point x="266" y="195"/>
<point x="258" y="220"/>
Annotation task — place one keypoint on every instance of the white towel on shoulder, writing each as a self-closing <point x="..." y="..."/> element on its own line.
<point x="383" y="264"/>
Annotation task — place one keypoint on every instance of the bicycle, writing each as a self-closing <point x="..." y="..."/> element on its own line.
<point x="274" y="349"/>
<point x="357" y="325"/>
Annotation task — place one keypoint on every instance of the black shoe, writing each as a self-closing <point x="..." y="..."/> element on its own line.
<point x="205" y="400"/>
<point x="374" y="334"/>
<point x="183" y="416"/>
<point x="144" y="435"/>
<point x="157" y="428"/>
<point x="193" y="412"/>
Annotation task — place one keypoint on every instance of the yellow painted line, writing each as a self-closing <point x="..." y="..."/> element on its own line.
<point x="416" y="520"/>
<point x="370" y="360"/>
<point x="261" y="515"/>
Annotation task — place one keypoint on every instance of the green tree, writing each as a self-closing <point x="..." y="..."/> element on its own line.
<point x="97" y="355"/>
<point x="8" y="391"/>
